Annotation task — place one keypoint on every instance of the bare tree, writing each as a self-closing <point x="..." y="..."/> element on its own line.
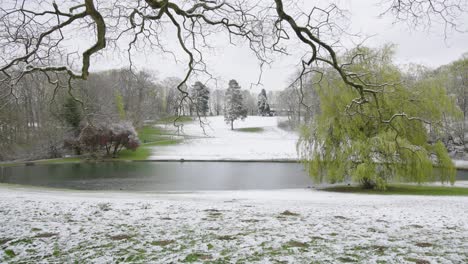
<point x="35" y="35"/>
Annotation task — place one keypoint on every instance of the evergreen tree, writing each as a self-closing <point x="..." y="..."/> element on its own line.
<point x="234" y="105"/>
<point x="72" y="117"/>
<point x="200" y="97"/>
<point x="72" y="113"/>
<point x="262" y="103"/>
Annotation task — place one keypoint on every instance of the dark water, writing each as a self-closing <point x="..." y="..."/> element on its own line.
<point x="164" y="176"/>
<point x="160" y="176"/>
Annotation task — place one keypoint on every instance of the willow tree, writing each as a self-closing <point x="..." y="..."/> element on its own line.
<point x="381" y="138"/>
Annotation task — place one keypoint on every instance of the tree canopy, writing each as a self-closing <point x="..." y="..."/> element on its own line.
<point x="384" y="138"/>
<point x="234" y="104"/>
<point x="200" y="98"/>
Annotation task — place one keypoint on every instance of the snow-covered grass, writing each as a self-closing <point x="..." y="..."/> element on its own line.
<point x="285" y="226"/>
<point x="219" y="142"/>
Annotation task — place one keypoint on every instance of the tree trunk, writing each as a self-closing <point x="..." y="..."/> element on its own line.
<point x="232" y="124"/>
<point x="114" y="153"/>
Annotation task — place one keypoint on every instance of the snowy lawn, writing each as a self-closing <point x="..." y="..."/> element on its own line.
<point x="285" y="226"/>
<point x="255" y="138"/>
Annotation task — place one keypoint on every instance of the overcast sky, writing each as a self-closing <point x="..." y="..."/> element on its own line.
<point x="428" y="47"/>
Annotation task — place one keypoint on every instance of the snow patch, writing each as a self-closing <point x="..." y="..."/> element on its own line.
<point x="221" y="143"/>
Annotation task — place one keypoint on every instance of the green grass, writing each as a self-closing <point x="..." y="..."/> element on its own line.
<point x="11" y="164"/>
<point x="251" y="129"/>
<point x="47" y="161"/>
<point x="149" y="134"/>
<point x="403" y="189"/>
<point x="170" y="119"/>
<point x="141" y="153"/>
<point x="60" y="160"/>
<point x="165" y="142"/>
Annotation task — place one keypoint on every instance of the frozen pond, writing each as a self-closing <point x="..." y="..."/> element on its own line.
<point x="165" y="176"/>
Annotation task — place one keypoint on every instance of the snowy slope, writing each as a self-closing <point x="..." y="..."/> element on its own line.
<point x="221" y="143"/>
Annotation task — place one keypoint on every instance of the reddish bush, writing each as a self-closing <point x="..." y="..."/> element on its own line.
<point x="110" y="137"/>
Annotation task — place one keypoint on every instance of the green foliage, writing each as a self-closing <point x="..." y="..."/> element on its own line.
<point x="72" y="113"/>
<point x="379" y="136"/>
<point x="201" y="96"/>
<point x="120" y="106"/>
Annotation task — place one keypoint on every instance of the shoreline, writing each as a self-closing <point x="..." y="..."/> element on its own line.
<point x="459" y="164"/>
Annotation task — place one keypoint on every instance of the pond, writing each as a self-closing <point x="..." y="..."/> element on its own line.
<point x="164" y="176"/>
<point x="160" y="176"/>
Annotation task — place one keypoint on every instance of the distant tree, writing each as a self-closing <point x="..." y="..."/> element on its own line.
<point x="120" y="106"/>
<point x="72" y="113"/>
<point x="457" y="86"/>
<point x="201" y="97"/>
<point x="217" y="101"/>
<point x="250" y="102"/>
<point x="72" y="116"/>
<point x="111" y="138"/>
<point x="234" y="105"/>
<point x="262" y="103"/>
<point x="267" y="109"/>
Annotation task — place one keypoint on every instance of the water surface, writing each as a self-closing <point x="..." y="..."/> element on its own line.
<point x="164" y="176"/>
<point x="160" y="176"/>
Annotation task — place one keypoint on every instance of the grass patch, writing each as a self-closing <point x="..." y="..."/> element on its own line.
<point x="11" y="164"/>
<point x="148" y="134"/>
<point x="289" y="213"/>
<point x="47" y="161"/>
<point x="10" y="253"/>
<point x="251" y="129"/>
<point x="142" y="153"/>
<point x="166" y="142"/>
<point x="226" y="237"/>
<point x="294" y="243"/>
<point x="60" y="160"/>
<point x="197" y="257"/>
<point x="46" y="235"/>
<point x="405" y="190"/>
<point x="162" y="243"/>
<point x="120" y="237"/>
<point x="170" y="119"/>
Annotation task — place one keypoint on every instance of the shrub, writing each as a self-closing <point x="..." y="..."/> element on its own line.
<point x="109" y="137"/>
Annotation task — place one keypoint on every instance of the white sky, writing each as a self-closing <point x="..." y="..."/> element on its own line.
<point x="428" y="47"/>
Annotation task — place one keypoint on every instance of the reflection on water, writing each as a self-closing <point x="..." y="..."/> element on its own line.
<point x="160" y="176"/>
<point x="164" y="176"/>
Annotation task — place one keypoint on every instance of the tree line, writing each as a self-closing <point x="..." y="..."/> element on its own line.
<point x="40" y="116"/>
